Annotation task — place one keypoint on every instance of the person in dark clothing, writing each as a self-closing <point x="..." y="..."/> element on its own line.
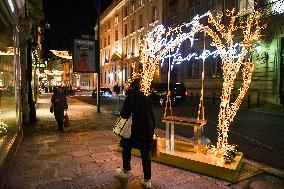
<point x="59" y="102"/>
<point x="142" y="130"/>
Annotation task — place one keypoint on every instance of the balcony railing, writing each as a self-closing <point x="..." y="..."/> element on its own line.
<point x="271" y="9"/>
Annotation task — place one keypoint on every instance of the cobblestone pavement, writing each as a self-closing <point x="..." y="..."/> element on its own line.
<point x="84" y="156"/>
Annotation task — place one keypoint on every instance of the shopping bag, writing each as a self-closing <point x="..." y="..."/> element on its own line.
<point x="51" y="109"/>
<point x="66" y="122"/>
<point x="123" y="127"/>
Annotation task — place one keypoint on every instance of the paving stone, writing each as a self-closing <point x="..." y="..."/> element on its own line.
<point x="82" y="159"/>
<point x="69" y="172"/>
<point x="100" y="150"/>
<point x="48" y="174"/>
<point x="91" y="168"/>
<point x="80" y="153"/>
<point x="55" y="185"/>
<point x="261" y="184"/>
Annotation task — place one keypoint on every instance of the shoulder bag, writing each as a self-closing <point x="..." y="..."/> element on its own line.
<point x="123" y="127"/>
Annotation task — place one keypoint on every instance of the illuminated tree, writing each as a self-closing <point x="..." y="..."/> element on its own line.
<point x="233" y="35"/>
<point x="243" y="25"/>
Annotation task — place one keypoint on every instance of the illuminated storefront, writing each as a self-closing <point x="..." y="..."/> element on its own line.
<point x="9" y="69"/>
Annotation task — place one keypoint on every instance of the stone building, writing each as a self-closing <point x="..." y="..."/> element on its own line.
<point x="122" y="26"/>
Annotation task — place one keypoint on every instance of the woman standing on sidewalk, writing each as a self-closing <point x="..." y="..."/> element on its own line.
<point x="142" y="130"/>
<point x="59" y="102"/>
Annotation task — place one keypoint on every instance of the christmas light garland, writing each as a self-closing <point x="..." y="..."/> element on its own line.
<point x="62" y="54"/>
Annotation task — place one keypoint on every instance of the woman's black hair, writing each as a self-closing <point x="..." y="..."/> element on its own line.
<point x="135" y="84"/>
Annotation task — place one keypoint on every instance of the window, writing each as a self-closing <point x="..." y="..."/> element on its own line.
<point x="125" y="30"/>
<point x="193" y="10"/>
<point x="132" y="6"/>
<point x="106" y="57"/>
<point x="244" y="4"/>
<point x="108" y="24"/>
<point x="116" y="19"/>
<point x="108" y="76"/>
<point x="133" y="45"/>
<point x="173" y="21"/>
<point x="154" y="14"/>
<point x="125" y="12"/>
<point x="141" y="2"/>
<point x="105" y="42"/>
<point x="141" y="21"/>
<point x="105" y="77"/>
<point x="132" y="26"/>
<point x="108" y="40"/>
<point x="172" y="3"/>
<point x="116" y="35"/>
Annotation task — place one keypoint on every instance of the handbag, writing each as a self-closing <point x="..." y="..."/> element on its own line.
<point x="123" y="127"/>
<point x="51" y="109"/>
<point x="66" y="122"/>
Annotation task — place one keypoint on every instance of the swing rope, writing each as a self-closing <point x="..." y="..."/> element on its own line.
<point x="168" y="94"/>
<point x="201" y="101"/>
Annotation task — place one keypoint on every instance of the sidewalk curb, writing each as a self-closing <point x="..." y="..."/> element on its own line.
<point x="266" y="168"/>
<point x="12" y="149"/>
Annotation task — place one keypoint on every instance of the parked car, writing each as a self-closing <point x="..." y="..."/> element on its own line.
<point x="77" y="89"/>
<point x="104" y="92"/>
<point x="159" y="91"/>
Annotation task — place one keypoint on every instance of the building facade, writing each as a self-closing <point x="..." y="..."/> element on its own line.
<point x="122" y="26"/>
<point x="267" y="82"/>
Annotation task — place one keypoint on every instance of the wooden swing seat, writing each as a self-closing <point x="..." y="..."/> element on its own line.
<point x="171" y="121"/>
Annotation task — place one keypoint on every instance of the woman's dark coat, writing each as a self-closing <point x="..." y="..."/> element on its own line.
<point x="143" y="120"/>
<point x="60" y="104"/>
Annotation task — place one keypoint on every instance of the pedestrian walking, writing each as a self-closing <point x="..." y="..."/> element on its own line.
<point x="59" y="102"/>
<point x="142" y="129"/>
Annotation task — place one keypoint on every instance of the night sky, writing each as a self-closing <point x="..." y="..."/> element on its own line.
<point x="69" y="19"/>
